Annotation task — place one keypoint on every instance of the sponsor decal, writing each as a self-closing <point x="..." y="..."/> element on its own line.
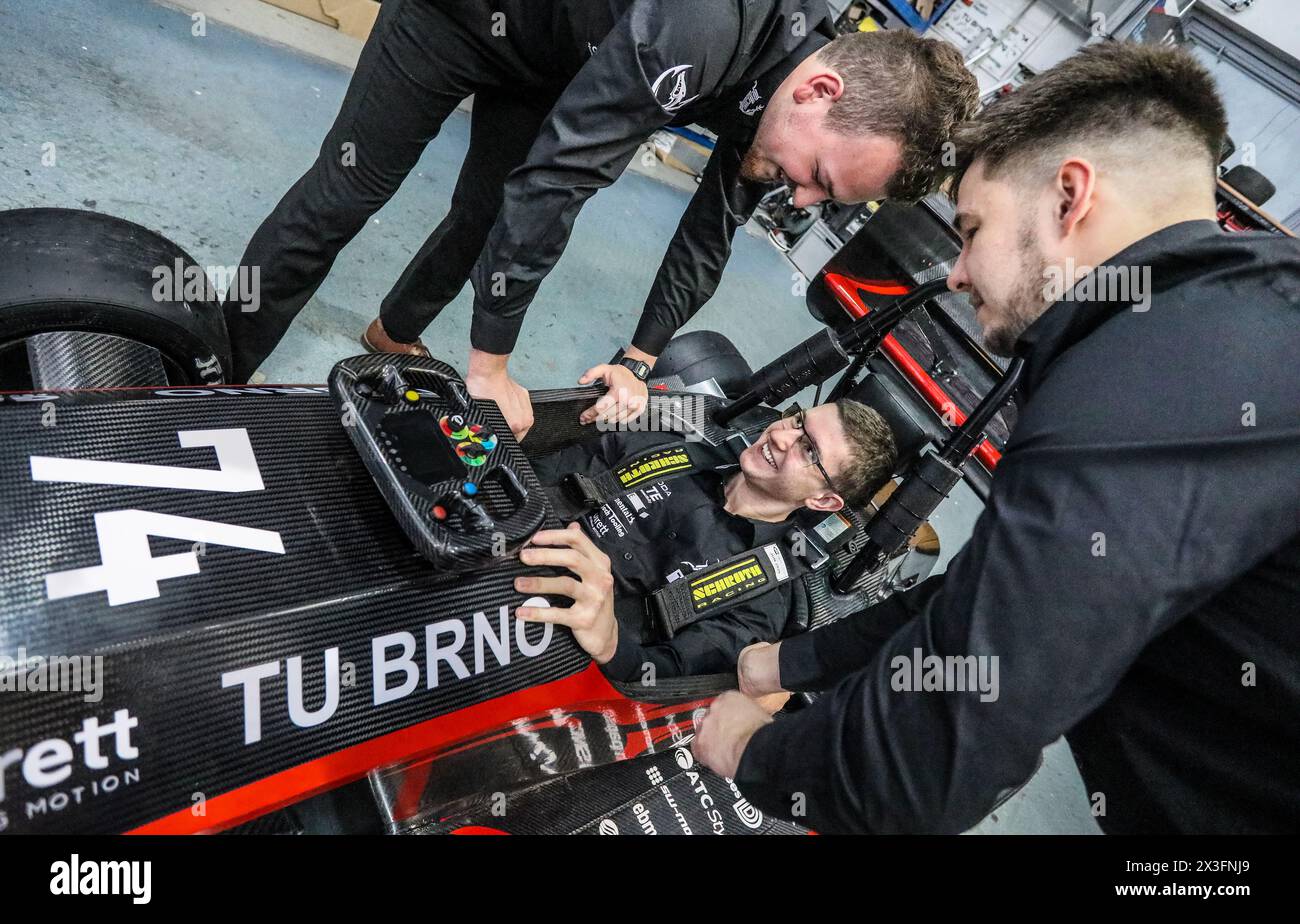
<point x="749" y="816"/>
<point x="685" y="759"/>
<point x="726" y="583"/>
<point x="619" y="517"/>
<point x="578" y="735"/>
<point x="661" y="462"/>
<point x="48" y="763"/>
<point x="643" y="818"/>
<point x="608" y="826"/>
<point x="669" y="88"/>
<point x="677" y="813"/>
<point x="687" y="568"/>
<point x="396" y="666"/>
<point x="149" y="393"/>
<point x="695" y="780"/>
<point x="773" y="553"/>
<point x="613" y="733"/>
<point x="831" y="528"/>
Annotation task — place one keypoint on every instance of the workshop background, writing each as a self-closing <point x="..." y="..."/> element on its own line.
<point x="193" y="118"/>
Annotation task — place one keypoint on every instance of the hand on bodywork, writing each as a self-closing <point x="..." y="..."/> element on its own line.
<point x="722" y="734"/>
<point x="591" y="588"/>
<point x="489" y="377"/>
<point x="627" y="395"/>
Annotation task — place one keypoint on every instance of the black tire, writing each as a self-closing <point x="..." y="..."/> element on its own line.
<point x="1250" y="183"/>
<point x="67" y="269"/>
<point x="705" y="354"/>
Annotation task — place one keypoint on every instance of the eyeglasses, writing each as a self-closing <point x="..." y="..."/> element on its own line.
<point x="809" y="448"/>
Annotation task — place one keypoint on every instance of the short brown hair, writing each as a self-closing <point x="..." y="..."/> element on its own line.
<point x="873" y="455"/>
<point x="1104" y="91"/>
<point x="912" y="89"/>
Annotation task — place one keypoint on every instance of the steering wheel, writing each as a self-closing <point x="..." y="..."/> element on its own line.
<point x="455" y="483"/>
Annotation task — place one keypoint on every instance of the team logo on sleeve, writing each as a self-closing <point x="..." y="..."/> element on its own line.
<point x="669" y="88"/>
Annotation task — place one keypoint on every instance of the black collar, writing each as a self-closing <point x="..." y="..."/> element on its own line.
<point x="755" y="532"/>
<point x="1067" y="322"/>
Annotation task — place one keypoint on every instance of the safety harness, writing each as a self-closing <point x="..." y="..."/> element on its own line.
<point x="806" y="546"/>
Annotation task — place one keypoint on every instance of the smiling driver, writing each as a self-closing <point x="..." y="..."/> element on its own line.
<point x="624" y="550"/>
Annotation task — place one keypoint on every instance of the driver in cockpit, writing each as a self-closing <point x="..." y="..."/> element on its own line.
<point x="683" y="519"/>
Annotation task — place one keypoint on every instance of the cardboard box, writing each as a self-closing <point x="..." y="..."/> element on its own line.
<point x="351" y="17"/>
<point x="680" y="153"/>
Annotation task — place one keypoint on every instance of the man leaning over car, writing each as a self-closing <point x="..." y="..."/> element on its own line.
<point x="1137" y="568"/>
<point x="565" y="91"/>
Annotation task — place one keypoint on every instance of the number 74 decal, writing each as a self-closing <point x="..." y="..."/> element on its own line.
<point x="128" y="571"/>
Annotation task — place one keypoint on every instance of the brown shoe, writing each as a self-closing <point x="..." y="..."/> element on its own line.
<point x="375" y="340"/>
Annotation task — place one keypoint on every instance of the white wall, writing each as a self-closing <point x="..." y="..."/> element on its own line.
<point x="1277" y="22"/>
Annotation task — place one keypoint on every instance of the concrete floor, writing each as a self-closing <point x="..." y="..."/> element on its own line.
<point x="198" y="136"/>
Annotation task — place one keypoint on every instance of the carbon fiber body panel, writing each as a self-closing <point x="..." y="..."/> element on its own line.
<point x="556" y="412"/>
<point x="668" y="793"/>
<point x="67" y="359"/>
<point x="173" y="725"/>
<point x="220" y="559"/>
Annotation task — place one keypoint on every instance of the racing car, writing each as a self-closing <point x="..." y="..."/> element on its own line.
<point x="292" y="604"/>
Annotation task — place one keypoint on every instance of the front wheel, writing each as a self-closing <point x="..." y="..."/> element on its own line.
<point x="72" y="271"/>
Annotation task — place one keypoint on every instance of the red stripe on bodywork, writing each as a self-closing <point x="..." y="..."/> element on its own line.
<point x="588" y="689"/>
<point x="846" y="290"/>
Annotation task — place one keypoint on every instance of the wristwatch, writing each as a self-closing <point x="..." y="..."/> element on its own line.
<point x="639" y="368"/>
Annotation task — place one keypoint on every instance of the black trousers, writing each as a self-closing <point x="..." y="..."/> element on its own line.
<point x="415" y="69"/>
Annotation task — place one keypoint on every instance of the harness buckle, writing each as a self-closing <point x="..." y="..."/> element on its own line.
<point x="580" y="491"/>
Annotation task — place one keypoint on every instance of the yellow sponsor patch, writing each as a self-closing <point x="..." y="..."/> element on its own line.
<point x="726" y="583"/>
<point x="656" y="464"/>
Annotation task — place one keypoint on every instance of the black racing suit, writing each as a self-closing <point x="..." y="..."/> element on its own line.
<point x="564" y="92"/>
<point x="1136" y="573"/>
<point x="661" y="533"/>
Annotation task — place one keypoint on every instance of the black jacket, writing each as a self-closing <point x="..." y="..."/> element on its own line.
<point x="623" y="68"/>
<point x="1136" y="572"/>
<point x="661" y="532"/>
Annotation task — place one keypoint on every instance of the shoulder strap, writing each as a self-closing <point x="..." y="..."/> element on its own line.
<point x="576" y="493"/>
<point x="750" y="574"/>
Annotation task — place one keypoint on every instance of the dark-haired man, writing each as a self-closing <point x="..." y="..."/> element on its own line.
<point x="564" y="93"/>
<point x="1137" y="568"/>
<point x="674" y="530"/>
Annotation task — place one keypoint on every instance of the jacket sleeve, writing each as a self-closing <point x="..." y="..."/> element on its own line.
<point x="699" y="250"/>
<point x="818" y="660"/>
<point x="1086" y="552"/>
<point x="711" y="646"/>
<point x="658" y="58"/>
